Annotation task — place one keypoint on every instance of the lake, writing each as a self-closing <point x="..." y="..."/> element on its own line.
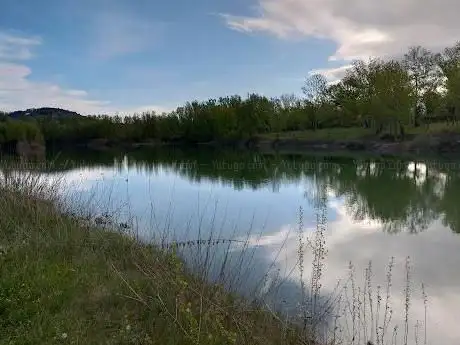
<point x="255" y="209"/>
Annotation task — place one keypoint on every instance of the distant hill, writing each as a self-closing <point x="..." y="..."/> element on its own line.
<point x="54" y="113"/>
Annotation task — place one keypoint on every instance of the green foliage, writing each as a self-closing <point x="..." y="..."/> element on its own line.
<point x="449" y="62"/>
<point x="16" y="130"/>
<point x="378" y="90"/>
<point x="378" y="94"/>
<point x="433" y="101"/>
<point x="391" y="96"/>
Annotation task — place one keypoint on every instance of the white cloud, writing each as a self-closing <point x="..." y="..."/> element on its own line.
<point x="147" y="108"/>
<point x="13" y="47"/>
<point x="18" y="91"/>
<point x="332" y="75"/>
<point x="360" y="28"/>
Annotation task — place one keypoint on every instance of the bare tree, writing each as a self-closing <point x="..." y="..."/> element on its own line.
<point x="315" y="88"/>
<point x="423" y="70"/>
<point x="449" y="62"/>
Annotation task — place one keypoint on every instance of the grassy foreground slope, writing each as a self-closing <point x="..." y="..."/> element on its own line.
<point x="62" y="282"/>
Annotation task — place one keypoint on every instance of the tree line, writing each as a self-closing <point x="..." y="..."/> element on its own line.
<point x="382" y="95"/>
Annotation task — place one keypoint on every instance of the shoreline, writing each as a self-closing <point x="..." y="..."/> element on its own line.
<point x="423" y="145"/>
<point x="437" y="145"/>
<point x="416" y="146"/>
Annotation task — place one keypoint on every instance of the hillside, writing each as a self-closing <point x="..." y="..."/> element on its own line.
<point x="44" y="112"/>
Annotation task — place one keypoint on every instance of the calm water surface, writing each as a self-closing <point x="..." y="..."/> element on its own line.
<point x="375" y="210"/>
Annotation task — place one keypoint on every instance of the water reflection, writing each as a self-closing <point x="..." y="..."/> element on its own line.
<point x="373" y="208"/>
<point x="402" y="195"/>
<point x="434" y="255"/>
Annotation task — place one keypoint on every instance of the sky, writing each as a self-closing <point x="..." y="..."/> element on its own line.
<point x="109" y="56"/>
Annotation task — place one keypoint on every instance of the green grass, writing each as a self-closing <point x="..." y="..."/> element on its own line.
<point x="322" y="134"/>
<point x="62" y="282"/>
<point x="435" y="128"/>
<point x="356" y="133"/>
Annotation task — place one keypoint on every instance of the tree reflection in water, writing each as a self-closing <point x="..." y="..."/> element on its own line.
<point x="403" y="195"/>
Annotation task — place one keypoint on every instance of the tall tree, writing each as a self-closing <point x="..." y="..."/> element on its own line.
<point x="449" y="63"/>
<point x="425" y="77"/>
<point x="315" y="88"/>
<point x="344" y="96"/>
<point x="379" y="90"/>
<point x="423" y="70"/>
<point x="354" y="92"/>
<point x="391" y="94"/>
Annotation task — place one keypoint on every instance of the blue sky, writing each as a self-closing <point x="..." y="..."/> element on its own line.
<point x="106" y="56"/>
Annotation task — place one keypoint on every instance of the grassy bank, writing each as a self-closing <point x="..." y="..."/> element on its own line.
<point x="430" y="141"/>
<point x="360" y="133"/>
<point x="63" y="282"/>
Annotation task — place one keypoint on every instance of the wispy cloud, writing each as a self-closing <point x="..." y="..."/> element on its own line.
<point x="17" y="91"/>
<point x="360" y="28"/>
<point x="333" y="75"/>
<point x="117" y="34"/>
<point x="145" y="109"/>
<point x="14" y="47"/>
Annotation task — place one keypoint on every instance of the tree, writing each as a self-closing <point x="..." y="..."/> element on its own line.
<point x="343" y="97"/>
<point x="433" y="101"/>
<point x="288" y="101"/>
<point x="449" y="63"/>
<point x="315" y="88"/>
<point x="391" y="94"/>
<point x="423" y="70"/>
<point x="353" y="93"/>
<point x="425" y="76"/>
<point x="379" y="90"/>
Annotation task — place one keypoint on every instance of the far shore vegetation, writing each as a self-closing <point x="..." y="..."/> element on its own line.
<point x="380" y="98"/>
